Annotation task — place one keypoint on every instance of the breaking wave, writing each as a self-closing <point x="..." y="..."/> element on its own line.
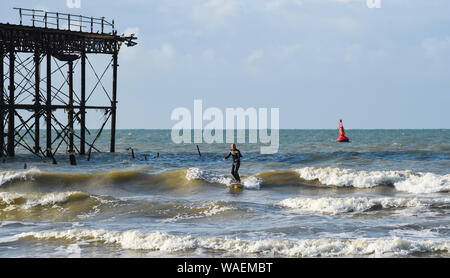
<point x="73" y="206"/>
<point x="329" y="205"/>
<point x="9" y="201"/>
<point x="9" y="176"/>
<point x="58" y="206"/>
<point x="251" y="182"/>
<point x="325" y="247"/>
<point x="402" y="180"/>
<point x="407" y="181"/>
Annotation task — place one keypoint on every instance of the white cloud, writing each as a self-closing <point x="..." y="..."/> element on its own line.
<point x="352" y="53"/>
<point x="167" y="58"/>
<point x="343" y="1"/>
<point x="436" y="48"/>
<point x="131" y="30"/>
<point x="215" y="13"/>
<point x="254" y="56"/>
<point x="285" y="52"/>
<point x="271" y="5"/>
<point x="252" y="61"/>
<point x="130" y="53"/>
<point x="163" y="57"/>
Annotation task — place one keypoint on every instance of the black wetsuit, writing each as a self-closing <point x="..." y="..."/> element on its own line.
<point x="236" y="154"/>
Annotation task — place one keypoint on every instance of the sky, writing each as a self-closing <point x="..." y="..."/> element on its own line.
<point x="318" y="61"/>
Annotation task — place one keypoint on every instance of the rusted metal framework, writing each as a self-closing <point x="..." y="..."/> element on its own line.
<point x="28" y="95"/>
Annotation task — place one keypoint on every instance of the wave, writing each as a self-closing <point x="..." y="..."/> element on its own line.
<point x="333" y="206"/>
<point x="73" y="206"/>
<point x="9" y="176"/>
<point x="8" y="200"/>
<point x="58" y="206"/>
<point x="325" y="247"/>
<point x="79" y="181"/>
<point x="195" y="210"/>
<point x="402" y="180"/>
<point x="251" y="182"/>
<point x="408" y="181"/>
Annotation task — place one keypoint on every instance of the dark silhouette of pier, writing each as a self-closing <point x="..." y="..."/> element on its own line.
<point x="30" y="55"/>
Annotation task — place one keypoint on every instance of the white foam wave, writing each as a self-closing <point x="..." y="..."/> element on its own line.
<point x="402" y="180"/>
<point x="325" y="247"/>
<point x="197" y="174"/>
<point x="251" y="182"/>
<point x="14" y="200"/>
<point x="20" y="175"/>
<point x="329" y="205"/>
<point x="207" y="209"/>
<point x="424" y="183"/>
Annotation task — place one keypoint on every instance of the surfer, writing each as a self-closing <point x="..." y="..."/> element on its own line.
<point x="236" y="154"/>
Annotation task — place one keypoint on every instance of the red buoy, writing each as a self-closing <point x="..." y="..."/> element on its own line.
<point x="342" y="137"/>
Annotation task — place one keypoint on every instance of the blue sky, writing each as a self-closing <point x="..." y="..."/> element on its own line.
<point x="316" y="60"/>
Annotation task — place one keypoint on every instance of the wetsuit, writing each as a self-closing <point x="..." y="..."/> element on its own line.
<point x="236" y="154"/>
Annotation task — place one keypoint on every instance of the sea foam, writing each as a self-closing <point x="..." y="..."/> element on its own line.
<point x="330" y="205"/>
<point x="402" y="180"/>
<point x="325" y="247"/>
<point x="197" y="174"/>
<point x="13" y="200"/>
<point x="8" y="176"/>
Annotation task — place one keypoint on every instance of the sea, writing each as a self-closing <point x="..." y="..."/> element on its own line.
<point x="384" y="194"/>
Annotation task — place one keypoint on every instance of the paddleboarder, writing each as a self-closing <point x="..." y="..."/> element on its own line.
<point x="236" y="154"/>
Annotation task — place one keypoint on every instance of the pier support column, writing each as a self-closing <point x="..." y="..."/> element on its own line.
<point x="11" y="116"/>
<point x="48" y="103"/>
<point x="2" y="102"/>
<point x="70" y="107"/>
<point x="114" y="102"/>
<point x="83" y="105"/>
<point x="37" y="100"/>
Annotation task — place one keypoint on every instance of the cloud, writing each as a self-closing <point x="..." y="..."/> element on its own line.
<point x="271" y="5"/>
<point x="130" y="53"/>
<point x="436" y="48"/>
<point x="168" y="58"/>
<point x="254" y="56"/>
<point x="343" y="1"/>
<point x="131" y="30"/>
<point x="352" y="53"/>
<point x="214" y="14"/>
<point x="252" y="61"/>
<point x="163" y="57"/>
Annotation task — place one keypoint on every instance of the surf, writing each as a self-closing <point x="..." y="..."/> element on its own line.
<point x="172" y="244"/>
<point x="360" y="205"/>
<point x="187" y="179"/>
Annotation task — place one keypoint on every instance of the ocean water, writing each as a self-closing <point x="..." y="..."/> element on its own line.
<point x="385" y="194"/>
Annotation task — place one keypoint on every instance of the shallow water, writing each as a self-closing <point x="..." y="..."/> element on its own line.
<point x="385" y="194"/>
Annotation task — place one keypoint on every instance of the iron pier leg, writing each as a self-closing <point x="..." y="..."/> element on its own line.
<point x="11" y="123"/>
<point x="83" y="104"/>
<point x="114" y="103"/>
<point x="2" y="102"/>
<point x="70" y="114"/>
<point x="37" y="100"/>
<point x="48" y="104"/>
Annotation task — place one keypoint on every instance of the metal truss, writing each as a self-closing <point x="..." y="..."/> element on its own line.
<point x="28" y="96"/>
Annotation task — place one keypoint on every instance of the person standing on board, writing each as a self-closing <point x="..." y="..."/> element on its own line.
<point x="236" y="154"/>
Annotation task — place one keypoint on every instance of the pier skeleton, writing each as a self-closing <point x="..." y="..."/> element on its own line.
<point x="61" y="42"/>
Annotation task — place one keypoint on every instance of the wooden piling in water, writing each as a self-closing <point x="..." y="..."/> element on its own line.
<point x="199" y="153"/>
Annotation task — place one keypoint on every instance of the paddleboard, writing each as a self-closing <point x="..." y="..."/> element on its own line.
<point x="236" y="187"/>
